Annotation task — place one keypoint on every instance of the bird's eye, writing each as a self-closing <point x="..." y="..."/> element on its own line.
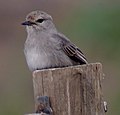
<point x="40" y="20"/>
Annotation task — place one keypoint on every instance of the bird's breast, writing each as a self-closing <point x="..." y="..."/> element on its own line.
<point x="36" y="59"/>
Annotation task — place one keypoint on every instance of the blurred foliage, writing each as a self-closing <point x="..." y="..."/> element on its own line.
<point x="98" y="28"/>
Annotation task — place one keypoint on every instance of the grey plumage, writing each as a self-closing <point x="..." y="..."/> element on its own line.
<point x="45" y="47"/>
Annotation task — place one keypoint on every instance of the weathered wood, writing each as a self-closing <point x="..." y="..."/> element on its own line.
<point x="74" y="90"/>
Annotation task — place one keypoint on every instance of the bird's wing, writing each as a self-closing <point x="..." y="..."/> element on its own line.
<point x="74" y="53"/>
<point x="72" y="50"/>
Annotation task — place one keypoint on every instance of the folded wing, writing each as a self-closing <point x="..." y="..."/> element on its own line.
<point x="74" y="53"/>
<point x="70" y="49"/>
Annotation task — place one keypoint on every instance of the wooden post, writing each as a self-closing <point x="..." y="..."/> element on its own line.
<point x="74" y="90"/>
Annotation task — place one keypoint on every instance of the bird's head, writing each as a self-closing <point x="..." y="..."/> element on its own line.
<point x="38" y="21"/>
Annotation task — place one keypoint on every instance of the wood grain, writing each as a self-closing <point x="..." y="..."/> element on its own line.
<point x="75" y="90"/>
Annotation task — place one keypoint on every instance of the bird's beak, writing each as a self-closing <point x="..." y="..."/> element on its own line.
<point x="28" y="23"/>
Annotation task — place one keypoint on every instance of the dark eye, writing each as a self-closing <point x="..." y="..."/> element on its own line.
<point x="40" y="20"/>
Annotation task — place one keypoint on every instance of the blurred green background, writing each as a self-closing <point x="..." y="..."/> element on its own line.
<point x="91" y="24"/>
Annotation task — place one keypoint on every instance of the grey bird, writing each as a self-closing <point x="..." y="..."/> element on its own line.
<point x="45" y="47"/>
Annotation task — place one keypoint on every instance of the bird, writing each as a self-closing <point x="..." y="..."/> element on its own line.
<point x="46" y="47"/>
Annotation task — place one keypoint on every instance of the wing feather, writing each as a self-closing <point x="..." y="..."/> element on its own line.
<point x="70" y="49"/>
<point x="75" y="53"/>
